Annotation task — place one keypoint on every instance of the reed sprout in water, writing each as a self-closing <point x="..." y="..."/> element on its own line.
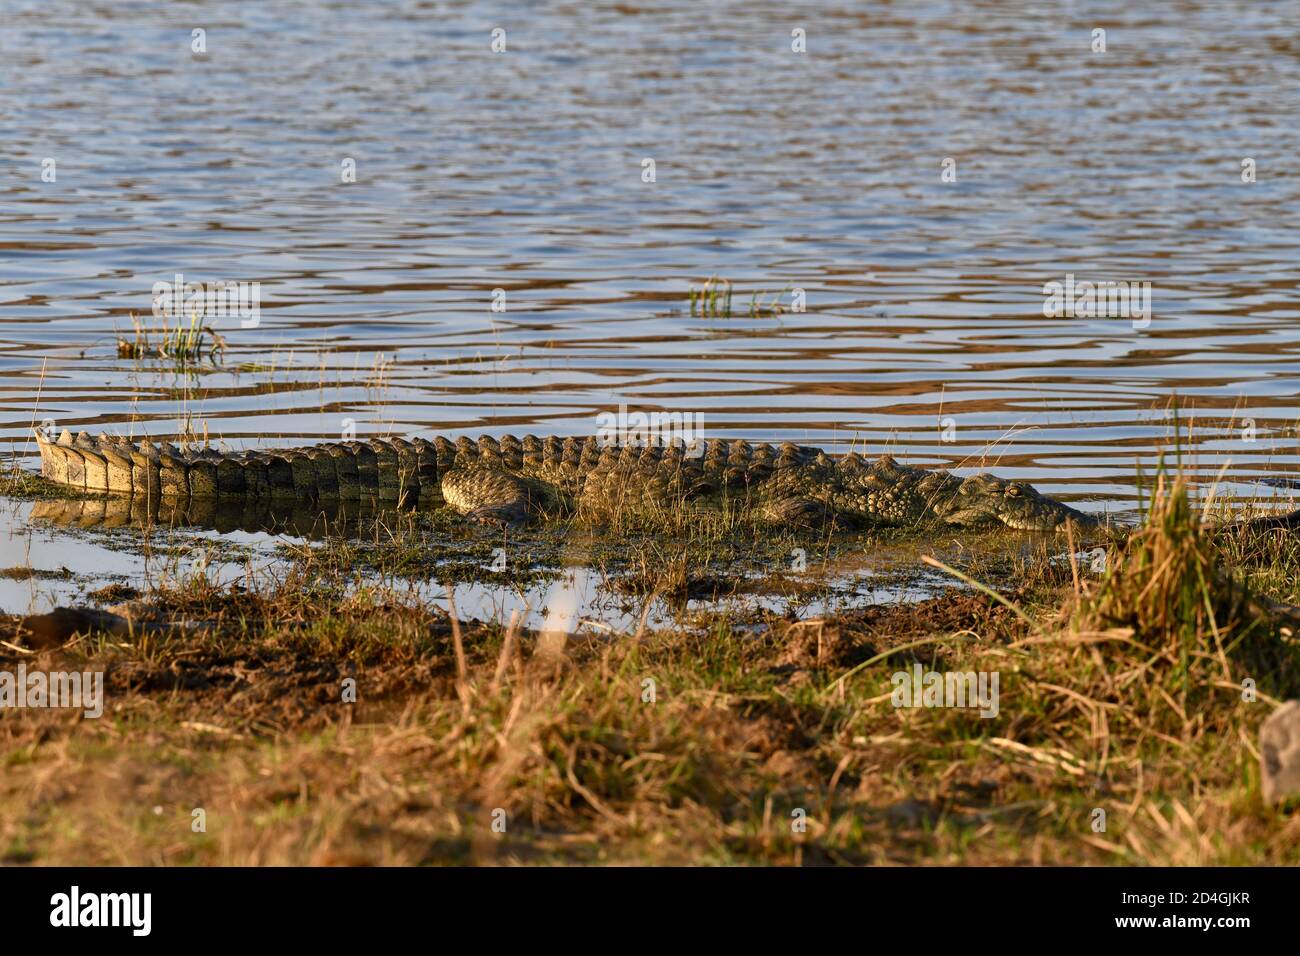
<point x="182" y="344"/>
<point x="713" y="300"/>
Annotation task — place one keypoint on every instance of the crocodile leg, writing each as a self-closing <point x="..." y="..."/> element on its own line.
<point x="487" y="495"/>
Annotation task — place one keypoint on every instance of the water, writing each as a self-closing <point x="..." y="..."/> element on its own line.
<point x="78" y="547"/>
<point x="522" y="171"/>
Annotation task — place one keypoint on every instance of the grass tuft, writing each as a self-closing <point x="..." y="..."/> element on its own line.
<point x="183" y="345"/>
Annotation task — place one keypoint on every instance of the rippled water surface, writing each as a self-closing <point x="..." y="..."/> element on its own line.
<point x="522" y="171"/>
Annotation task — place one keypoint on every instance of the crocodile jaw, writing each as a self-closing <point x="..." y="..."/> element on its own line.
<point x="1053" y="519"/>
<point x="984" y="500"/>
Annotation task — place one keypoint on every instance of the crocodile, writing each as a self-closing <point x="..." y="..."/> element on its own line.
<point x="510" y="481"/>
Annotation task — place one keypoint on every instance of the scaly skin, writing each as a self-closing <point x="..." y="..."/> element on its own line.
<point x="511" y="480"/>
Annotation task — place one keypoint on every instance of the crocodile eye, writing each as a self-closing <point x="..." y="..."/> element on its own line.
<point x="1013" y="491"/>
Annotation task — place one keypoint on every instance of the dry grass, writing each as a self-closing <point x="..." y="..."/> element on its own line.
<point x="778" y="745"/>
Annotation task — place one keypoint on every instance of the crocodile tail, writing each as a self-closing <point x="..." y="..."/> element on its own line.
<point x="389" y="469"/>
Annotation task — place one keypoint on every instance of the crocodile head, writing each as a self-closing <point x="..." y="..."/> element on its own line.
<point x="986" y="500"/>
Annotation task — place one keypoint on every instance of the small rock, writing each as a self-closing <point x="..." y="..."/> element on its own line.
<point x="1279" y="753"/>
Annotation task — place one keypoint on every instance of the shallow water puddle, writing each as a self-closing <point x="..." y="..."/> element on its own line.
<point x="67" y="563"/>
<point x="581" y="599"/>
<point x="60" y="552"/>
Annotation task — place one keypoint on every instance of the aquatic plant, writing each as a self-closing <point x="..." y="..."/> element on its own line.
<point x="182" y="344"/>
<point x="713" y="300"/>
